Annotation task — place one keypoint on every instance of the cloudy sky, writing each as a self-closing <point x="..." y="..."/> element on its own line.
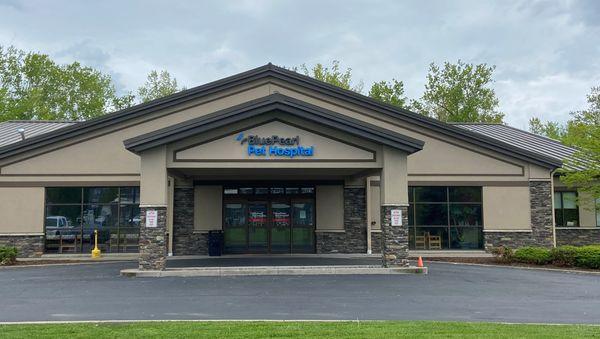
<point x="547" y="53"/>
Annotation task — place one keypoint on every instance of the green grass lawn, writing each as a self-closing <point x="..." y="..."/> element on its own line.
<point x="369" y="329"/>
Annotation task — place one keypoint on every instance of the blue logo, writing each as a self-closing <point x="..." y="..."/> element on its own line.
<point x="275" y="146"/>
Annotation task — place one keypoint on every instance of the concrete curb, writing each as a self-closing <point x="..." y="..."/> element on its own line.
<point x="517" y="267"/>
<point x="271" y="270"/>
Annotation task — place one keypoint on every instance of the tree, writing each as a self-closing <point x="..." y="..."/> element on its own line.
<point x="34" y="87"/>
<point x="389" y="92"/>
<point x="158" y="85"/>
<point x="583" y="133"/>
<point x="460" y="92"/>
<point x="550" y="129"/>
<point x="333" y="75"/>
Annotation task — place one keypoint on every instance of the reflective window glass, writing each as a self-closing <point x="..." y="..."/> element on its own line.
<point x="465" y="215"/>
<point x="465" y="194"/>
<point x="129" y="195"/>
<point x="431" y="214"/>
<point x="63" y="195"/>
<point x="430" y="194"/>
<point x="100" y="195"/>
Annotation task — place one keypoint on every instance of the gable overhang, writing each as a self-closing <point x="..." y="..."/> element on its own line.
<point x="265" y="73"/>
<point x="273" y="103"/>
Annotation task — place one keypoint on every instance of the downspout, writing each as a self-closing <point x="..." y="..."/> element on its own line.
<point x="368" y="208"/>
<point x="369" y="214"/>
<point x="552" y="199"/>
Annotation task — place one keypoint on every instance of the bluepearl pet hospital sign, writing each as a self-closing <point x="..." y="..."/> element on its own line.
<point x="275" y="146"/>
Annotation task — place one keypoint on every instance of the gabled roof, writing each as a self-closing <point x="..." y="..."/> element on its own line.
<point x="281" y="104"/>
<point x="9" y="130"/>
<point x="524" y="140"/>
<point x="270" y="71"/>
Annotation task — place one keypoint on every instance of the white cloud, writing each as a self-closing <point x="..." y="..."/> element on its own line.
<point x="546" y="53"/>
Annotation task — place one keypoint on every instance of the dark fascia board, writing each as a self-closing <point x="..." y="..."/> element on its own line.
<point x="268" y="104"/>
<point x="285" y="75"/>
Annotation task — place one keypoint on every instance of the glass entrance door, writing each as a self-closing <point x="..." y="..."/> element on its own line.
<point x="269" y="219"/>
<point x="303" y="226"/>
<point x="258" y="235"/>
<point x="280" y="227"/>
<point x="235" y="228"/>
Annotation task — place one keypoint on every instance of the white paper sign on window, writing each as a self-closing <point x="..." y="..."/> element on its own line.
<point x="396" y="217"/>
<point x="151" y="218"/>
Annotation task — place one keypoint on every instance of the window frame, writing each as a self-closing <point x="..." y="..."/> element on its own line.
<point x="562" y="209"/>
<point x="448" y="226"/>
<point x="79" y="225"/>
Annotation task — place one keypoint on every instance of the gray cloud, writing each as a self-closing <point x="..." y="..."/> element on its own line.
<point x="546" y="52"/>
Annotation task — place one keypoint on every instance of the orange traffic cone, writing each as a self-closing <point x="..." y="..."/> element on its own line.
<point x="420" y="262"/>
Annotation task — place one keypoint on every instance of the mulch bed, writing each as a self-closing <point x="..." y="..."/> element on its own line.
<point x="494" y="261"/>
<point x="47" y="262"/>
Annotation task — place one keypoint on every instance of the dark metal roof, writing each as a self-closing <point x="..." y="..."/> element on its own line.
<point x="273" y="72"/>
<point x="9" y="130"/>
<point x="271" y="103"/>
<point x="524" y="140"/>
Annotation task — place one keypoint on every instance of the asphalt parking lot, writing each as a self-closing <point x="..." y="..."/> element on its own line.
<point x="449" y="292"/>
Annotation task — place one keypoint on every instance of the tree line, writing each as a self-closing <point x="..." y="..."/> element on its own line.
<point x="35" y="87"/>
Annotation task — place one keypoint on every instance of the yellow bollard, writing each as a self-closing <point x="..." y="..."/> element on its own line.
<point x="96" y="250"/>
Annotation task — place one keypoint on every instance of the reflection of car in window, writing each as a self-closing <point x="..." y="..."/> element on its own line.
<point x="59" y="225"/>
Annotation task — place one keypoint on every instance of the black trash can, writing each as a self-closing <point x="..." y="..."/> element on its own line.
<point x="215" y="243"/>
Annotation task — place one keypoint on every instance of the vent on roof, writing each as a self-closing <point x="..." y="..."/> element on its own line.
<point x="21" y="131"/>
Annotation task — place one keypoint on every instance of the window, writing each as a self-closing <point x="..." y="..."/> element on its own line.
<point x="566" y="213"/>
<point x="74" y="213"/>
<point x="441" y="217"/>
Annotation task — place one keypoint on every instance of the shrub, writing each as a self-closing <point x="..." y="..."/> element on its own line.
<point x="8" y="255"/>
<point x="533" y="255"/>
<point x="588" y="257"/>
<point x="564" y="255"/>
<point x="503" y="254"/>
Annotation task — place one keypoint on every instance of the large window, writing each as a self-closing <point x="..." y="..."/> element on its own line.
<point x="442" y="217"/>
<point x="566" y="213"/>
<point x="74" y="213"/>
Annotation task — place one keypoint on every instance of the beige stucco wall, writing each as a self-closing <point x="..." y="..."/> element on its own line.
<point x="354" y="152"/>
<point x="506" y="208"/>
<point x="375" y="207"/>
<point x="102" y="153"/>
<point x="208" y="208"/>
<point x="153" y="178"/>
<point x="21" y="210"/>
<point x="228" y="148"/>
<point x="330" y="207"/>
<point x="442" y="157"/>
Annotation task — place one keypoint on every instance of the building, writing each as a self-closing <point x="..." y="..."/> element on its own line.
<point x="282" y="163"/>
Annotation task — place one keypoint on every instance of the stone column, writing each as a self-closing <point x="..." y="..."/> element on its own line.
<point x="153" y="240"/>
<point x="394" y="197"/>
<point x="154" y="185"/>
<point x="542" y="230"/>
<point x="394" y="238"/>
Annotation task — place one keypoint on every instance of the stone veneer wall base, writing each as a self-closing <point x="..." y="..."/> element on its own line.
<point x="186" y="241"/>
<point x="153" y="241"/>
<point x="394" y="238"/>
<point x="354" y="237"/>
<point x="28" y="246"/>
<point x="577" y="236"/>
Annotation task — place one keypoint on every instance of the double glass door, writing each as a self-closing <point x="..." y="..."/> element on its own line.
<point x="269" y="226"/>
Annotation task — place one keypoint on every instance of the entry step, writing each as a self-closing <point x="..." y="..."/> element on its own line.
<point x="272" y="270"/>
